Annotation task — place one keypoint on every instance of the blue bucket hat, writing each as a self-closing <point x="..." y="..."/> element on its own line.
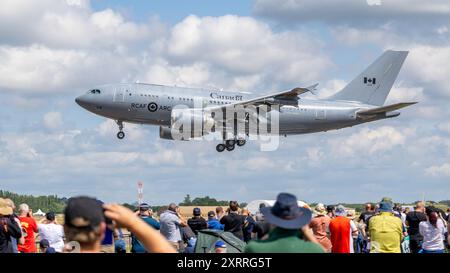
<point x="385" y="207"/>
<point x="286" y="213"/>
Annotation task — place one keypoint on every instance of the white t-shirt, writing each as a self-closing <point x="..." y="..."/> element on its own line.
<point x="54" y="234"/>
<point x="433" y="237"/>
<point x="353" y="228"/>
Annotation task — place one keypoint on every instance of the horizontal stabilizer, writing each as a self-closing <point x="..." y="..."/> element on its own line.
<point x="385" y="109"/>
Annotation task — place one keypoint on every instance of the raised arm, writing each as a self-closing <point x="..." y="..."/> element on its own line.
<point x="152" y="240"/>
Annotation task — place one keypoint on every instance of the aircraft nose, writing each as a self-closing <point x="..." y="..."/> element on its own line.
<point x="82" y="101"/>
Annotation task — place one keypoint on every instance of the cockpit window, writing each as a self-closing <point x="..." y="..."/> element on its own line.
<point x="95" y="91"/>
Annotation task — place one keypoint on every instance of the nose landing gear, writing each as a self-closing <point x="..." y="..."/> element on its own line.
<point x="120" y="134"/>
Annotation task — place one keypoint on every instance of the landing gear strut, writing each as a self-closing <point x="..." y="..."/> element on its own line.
<point x="120" y="134"/>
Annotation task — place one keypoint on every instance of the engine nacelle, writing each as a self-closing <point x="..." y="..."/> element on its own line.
<point x="187" y="124"/>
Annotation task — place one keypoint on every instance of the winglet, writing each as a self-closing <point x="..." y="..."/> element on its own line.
<point x="312" y="88"/>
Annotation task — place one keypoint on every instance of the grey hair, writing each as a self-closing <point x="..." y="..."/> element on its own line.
<point x="24" y="208"/>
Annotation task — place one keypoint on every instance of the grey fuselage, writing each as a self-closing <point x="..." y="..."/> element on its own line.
<point x="152" y="104"/>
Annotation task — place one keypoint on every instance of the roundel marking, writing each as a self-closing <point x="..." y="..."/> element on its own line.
<point x="152" y="107"/>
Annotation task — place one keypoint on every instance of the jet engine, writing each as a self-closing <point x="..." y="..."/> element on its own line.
<point x="187" y="124"/>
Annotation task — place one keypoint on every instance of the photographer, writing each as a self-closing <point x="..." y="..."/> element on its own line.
<point x="8" y="228"/>
<point x="29" y="228"/>
<point x="85" y="223"/>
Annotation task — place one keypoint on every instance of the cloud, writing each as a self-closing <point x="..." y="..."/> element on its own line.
<point x="441" y="170"/>
<point x="246" y="50"/>
<point x="368" y="141"/>
<point x="353" y="12"/>
<point x="53" y="120"/>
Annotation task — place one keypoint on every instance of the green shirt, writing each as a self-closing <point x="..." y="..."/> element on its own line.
<point x="283" y="241"/>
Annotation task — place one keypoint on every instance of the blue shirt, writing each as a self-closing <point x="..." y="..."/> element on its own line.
<point x="215" y="224"/>
<point x="136" y="245"/>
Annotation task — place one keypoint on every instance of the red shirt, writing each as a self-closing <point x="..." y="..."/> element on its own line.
<point x="340" y="234"/>
<point x="29" y="225"/>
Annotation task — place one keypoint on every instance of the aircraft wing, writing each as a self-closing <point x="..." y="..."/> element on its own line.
<point x="385" y="109"/>
<point x="289" y="97"/>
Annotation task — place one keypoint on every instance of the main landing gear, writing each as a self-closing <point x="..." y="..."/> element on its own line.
<point x="120" y="134"/>
<point x="230" y="144"/>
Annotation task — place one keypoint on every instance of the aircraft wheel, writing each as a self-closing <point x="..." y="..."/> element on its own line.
<point x="220" y="148"/>
<point x="241" y="142"/>
<point x="120" y="135"/>
<point x="230" y="142"/>
<point x="230" y="148"/>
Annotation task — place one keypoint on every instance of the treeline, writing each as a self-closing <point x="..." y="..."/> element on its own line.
<point x="205" y="201"/>
<point x="45" y="203"/>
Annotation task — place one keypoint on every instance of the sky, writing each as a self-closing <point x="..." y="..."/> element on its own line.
<point x="51" y="51"/>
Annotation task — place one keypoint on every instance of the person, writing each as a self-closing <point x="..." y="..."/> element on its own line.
<point x="219" y="212"/>
<point x="50" y="231"/>
<point x="220" y="247"/>
<point x="262" y="227"/>
<point x="413" y="219"/>
<point x="29" y="228"/>
<point x="249" y="224"/>
<point x="44" y="247"/>
<point x="15" y="242"/>
<point x="146" y="214"/>
<point x="170" y="222"/>
<point x="84" y="223"/>
<point x="151" y="239"/>
<point x="287" y="237"/>
<point x="342" y="231"/>
<point x="120" y="246"/>
<point x="433" y="232"/>
<point x="233" y="222"/>
<point x="369" y="211"/>
<point x="213" y="222"/>
<point x="319" y="225"/>
<point x="197" y="222"/>
<point x="9" y="228"/>
<point x="330" y="211"/>
<point x="385" y="230"/>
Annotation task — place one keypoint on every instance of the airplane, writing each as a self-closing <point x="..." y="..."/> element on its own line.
<point x="361" y="101"/>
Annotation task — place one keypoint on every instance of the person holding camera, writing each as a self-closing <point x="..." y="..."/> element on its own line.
<point x="29" y="229"/>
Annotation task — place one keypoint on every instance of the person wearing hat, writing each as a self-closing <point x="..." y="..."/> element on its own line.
<point x="8" y="228"/>
<point x="385" y="230"/>
<point x="84" y="223"/>
<point x="288" y="219"/>
<point x="220" y="247"/>
<point x="213" y="222"/>
<point x="44" y="247"/>
<point x="52" y="232"/>
<point x="319" y="225"/>
<point x="197" y="222"/>
<point x="342" y="230"/>
<point x="146" y="214"/>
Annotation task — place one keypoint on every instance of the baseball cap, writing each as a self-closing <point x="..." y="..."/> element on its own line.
<point x="83" y="212"/>
<point x="44" y="243"/>
<point x="220" y="244"/>
<point x="197" y="212"/>
<point x="144" y="207"/>
<point x="211" y="214"/>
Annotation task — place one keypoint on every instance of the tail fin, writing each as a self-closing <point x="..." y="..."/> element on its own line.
<point x="373" y="85"/>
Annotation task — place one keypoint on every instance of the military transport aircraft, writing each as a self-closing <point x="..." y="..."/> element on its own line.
<point x="361" y="101"/>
